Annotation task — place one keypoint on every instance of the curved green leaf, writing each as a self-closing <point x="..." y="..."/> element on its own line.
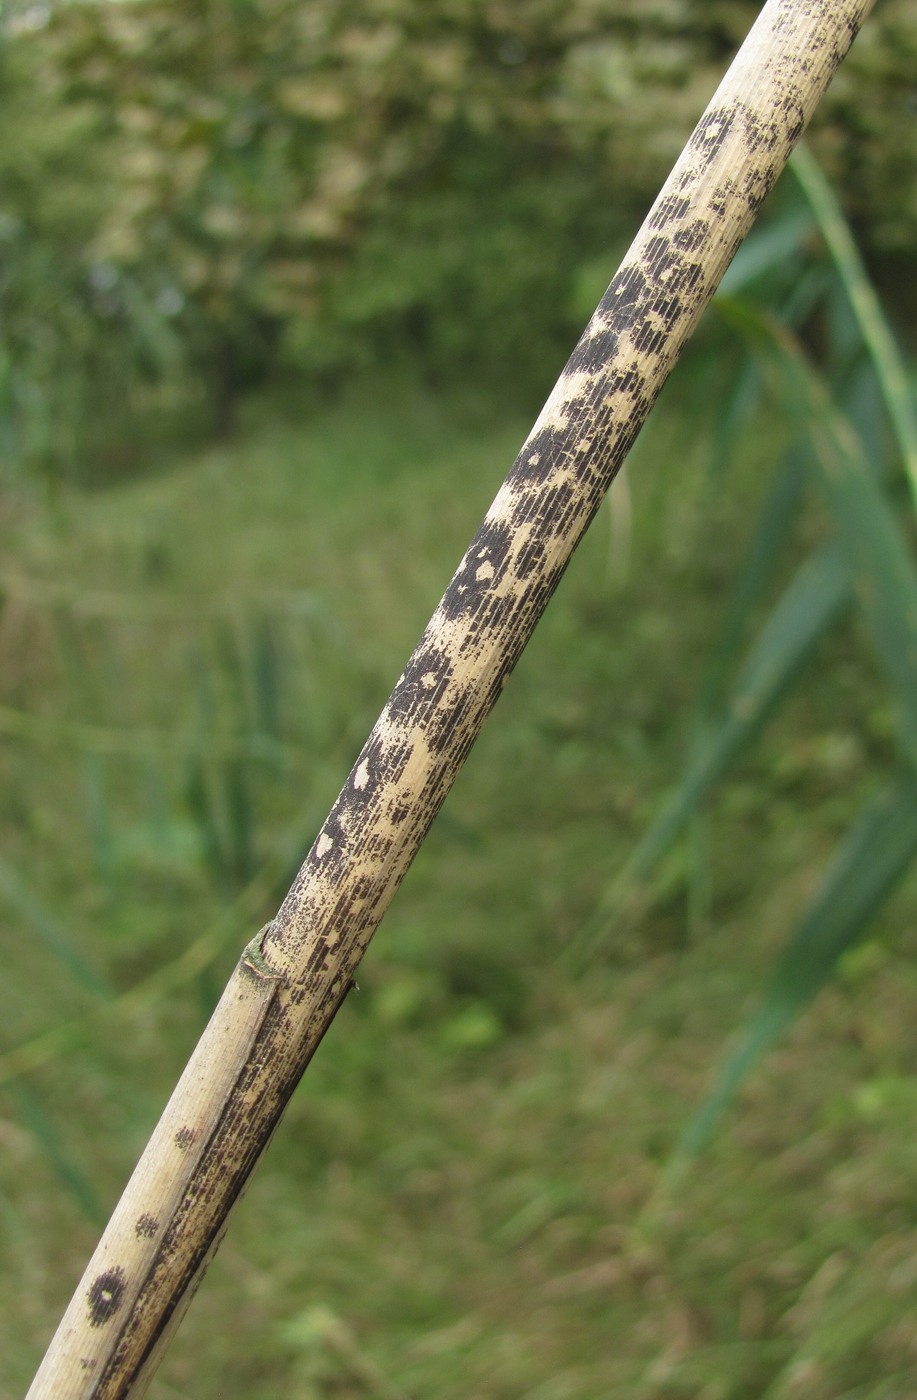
<point x="816" y="597"/>
<point x="875" y="854"/>
<point x="880" y="562"/>
<point x="48" y="929"/>
<point x="875" y="330"/>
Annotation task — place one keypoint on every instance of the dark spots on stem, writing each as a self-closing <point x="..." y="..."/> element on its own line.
<point x="330" y="843"/>
<point x="593" y="352"/>
<point x="759" y="136"/>
<point x="691" y="237"/>
<point x="105" y="1296"/>
<point x="670" y="210"/>
<point x="536" y="464"/>
<point x="710" y="134"/>
<point x="452" y="720"/>
<point x="529" y="560"/>
<point x="796" y="117"/>
<point x="622" y="303"/>
<point x="481" y="568"/>
<point x="381" y="764"/>
<point x="426" y="677"/>
<point x="145" y="1227"/>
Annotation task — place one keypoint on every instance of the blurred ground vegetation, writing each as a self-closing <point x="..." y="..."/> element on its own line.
<point x="456" y="1203"/>
<point x="317" y="265"/>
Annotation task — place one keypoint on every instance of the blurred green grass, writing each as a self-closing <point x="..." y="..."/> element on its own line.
<point x="454" y="1205"/>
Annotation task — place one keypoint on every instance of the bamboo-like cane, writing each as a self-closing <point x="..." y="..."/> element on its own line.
<point x="293" y="977"/>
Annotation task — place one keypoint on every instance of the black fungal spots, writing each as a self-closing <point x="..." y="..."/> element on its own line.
<point x="331" y="840"/>
<point x="529" y="560"/>
<point x="669" y="271"/>
<point x="759" y="136"/>
<point x="672" y="284"/>
<point x="710" y="133"/>
<point x="451" y="721"/>
<point x="385" y="760"/>
<point x="650" y="336"/>
<point x="481" y="568"/>
<point x="364" y="888"/>
<point x="105" y="1296"/>
<point x="623" y="302"/>
<point x="422" y="684"/>
<point x="593" y="352"/>
<point x="536" y="462"/>
<point x="146" y="1227"/>
<point x="691" y="237"/>
<point x="184" y="1138"/>
<point x="670" y="210"/>
<point x="629" y="380"/>
<point x="554" y="504"/>
<point x="796" y="119"/>
<point x="378" y="769"/>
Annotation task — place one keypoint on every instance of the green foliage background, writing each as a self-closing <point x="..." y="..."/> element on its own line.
<point x="281" y="287"/>
<point x="214" y="192"/>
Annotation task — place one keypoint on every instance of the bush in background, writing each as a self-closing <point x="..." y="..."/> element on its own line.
<point x="216" y="193"/>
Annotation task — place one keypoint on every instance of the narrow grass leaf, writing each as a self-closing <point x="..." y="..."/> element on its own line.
<point x="883" y="572"/>
<point x="239" y="820"/>
<point x="873" y="857"/>
<point x="59" y="942"/>
<point x="816" y="597"/>
<point x="865" y="407"/>
<point x="876" y="332"/>
<point x="732" y="414"/>
<point x="201" y="806"/>
<point x="83" y="685"/>
<point x="99" y="818"/>
<point x="231" y="678"/>
<point x="774" y="524"/>
<point x="768" y="250"/>
<point x="266" y="674"/>
<point x="37" y="1121"/>
<point x="46" y="731"/>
